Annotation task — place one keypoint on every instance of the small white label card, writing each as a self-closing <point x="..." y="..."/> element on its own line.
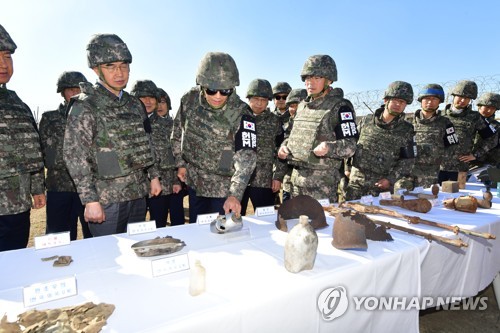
<point x="169" y="265"/>
<point x="206" y="218"/>
<point x="385" y="195"/>
<point x="324" y="202"/>
<point x="263" y="211"/>
<point x="141" y="227"/>
<point x="366" y="199"/>
<point x="49" y="291"/>
<point x="52" y="240"/>
<point x="418" y="189"/>
<point x="435" y="202"/>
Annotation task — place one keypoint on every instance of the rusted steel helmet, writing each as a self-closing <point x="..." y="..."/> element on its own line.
<point x="301" y="205"/>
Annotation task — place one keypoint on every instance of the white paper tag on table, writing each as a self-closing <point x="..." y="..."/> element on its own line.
<point x="264" y="211"/>
<point x="418" y="189"/>
<point x="206" y="218"/>
<point x="141" y="227"/>
<point x="324" y="202"/>
<point x="366" y="199"/>
<point x="52" y="240"/>
<point x="169" y="265"/>
<point x="43" y="292"/>
<point x="385" y="195"/>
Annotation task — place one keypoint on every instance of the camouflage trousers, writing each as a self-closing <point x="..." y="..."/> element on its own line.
<point x="319" y="184"/>
<point x="425" y="175"/>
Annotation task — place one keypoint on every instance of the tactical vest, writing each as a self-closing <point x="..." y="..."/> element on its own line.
<point x="267" y="125"/>
<point x="19" y="141"/>
<point x="465" y="125"/>
<point x="160" y="134"/>
<point x="122" y="144"/>
<point x="430" y="135"/>
<point x="305" y="136"/>
<point x="55" y="122"/>
<point x="379" y="148"/>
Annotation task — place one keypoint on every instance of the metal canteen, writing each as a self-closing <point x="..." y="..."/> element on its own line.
<point x="226" y="223"/>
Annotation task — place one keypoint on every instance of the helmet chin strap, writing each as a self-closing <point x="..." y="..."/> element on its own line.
<point x="325" y="89"/>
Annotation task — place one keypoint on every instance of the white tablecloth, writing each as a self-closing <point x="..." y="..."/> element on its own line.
<point x="248" y="288"/>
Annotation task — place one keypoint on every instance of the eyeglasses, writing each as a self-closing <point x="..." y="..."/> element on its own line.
<point x="223" y="92"/>
<point x="124" y="67"/>
<point x="280" y="97"/>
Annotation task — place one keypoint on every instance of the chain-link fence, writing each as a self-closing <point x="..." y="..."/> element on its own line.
<point x="363" y="101"/>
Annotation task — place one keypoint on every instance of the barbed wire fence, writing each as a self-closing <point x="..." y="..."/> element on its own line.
<point x="363" y="101"/>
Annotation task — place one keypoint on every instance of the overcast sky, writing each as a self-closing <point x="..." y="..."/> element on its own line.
<point x="373" y="42"/>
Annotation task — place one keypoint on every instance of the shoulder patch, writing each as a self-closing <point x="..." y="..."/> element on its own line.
<point x="246" y="137"/>
<point x="346" y="127"/>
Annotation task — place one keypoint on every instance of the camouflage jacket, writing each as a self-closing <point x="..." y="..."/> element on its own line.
<point x="161" y="130"/>
<point x="334" y="125"/>
<point x="21" y="160"/>
<point x="92" y="117"/>
<point x="384" y="150"/>
<point x="269" y="132"/>
<point x="467" y="124"/>
<point x="493" y="155"/>
<point x="222" y="126"/>
<point x="52" y="126"/>
<point x="433" y="136"/>
<point x="284" y="117"/>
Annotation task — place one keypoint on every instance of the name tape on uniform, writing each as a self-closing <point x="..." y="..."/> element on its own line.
<point x="264" y="211"/>
<point x="52" y="240"/>
<point x="169" y="265"/>
<point x="206" y="218"/>
<point x="43" y="292"/>
<point x="141" y="227"/>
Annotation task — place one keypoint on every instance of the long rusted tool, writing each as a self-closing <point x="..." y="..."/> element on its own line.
<point x="415" y="219"/>
<point x="416" y="205"/>
<point x="430" y="237"/>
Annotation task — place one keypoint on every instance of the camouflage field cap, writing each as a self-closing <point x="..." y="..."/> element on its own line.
<point x="281" y="88"/>
<point x="260" y="88"/>
<point x="6" y="42"/>
<point x="489" y="99"/>
<point x="401" y="90"/>
<point x="217" y="71"/>
<point x="163" y="94"/>
<point x="106" y="48"/>
<point x="320" y="65"/>
<point x="431" y="90"/>
<point x="296" y="96"/>
<point x="465" y="88"/>
<point x="70" y="80"/>
<point x="144" y="88"/>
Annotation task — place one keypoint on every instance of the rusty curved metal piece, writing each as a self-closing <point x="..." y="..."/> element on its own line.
<point x="301" y="205"/>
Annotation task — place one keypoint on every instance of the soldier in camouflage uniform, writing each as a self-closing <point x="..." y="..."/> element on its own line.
<point x="176" y="199"/>
<point x="64" y="207"/>
<point x="214" y="139"/>
<point x="280" y="93"/>
<point x="107" y="144"/>
<point x="264" y="182"/>
<point x="161" y="130"/>
<point x="385" y="150"/>
<point x="21" y="162"/>
<point x="434" y="134"/>
<point x="292" y="102"/>
<point x="488" y="104"/>
<point x="322" y="135"/>
<point x="467" y="124"/>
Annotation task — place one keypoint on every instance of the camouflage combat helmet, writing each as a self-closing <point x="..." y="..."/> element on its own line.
<point x="320" y="65"/>
<point x="281" y="88"/>
<point x="489" y="99"/>
<point x="218" y="70"/>
<point x="106" y="48"/>
<point x="401" y="90"/>
<point x="296" y="96"/>
<point x="163" y="94"/>
<point x="466" y="89"/>
<point x="70" y="80"/>
<point x="260" y="88"/>
<point x="339" y="92"/>
<point x="6" y="42"/>
<point x="431" y="90"/>
<point x="144" y="88"/>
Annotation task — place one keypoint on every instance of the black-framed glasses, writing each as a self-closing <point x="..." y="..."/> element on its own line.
<point x="280" y="97"/>
<point x="223" y="92"/>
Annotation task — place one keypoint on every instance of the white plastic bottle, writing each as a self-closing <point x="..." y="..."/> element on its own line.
<point x="197" y="279"/>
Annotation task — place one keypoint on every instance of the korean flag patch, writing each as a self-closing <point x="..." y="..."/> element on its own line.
<point x="248" y="125"/>
<point x="346" y="116"/>
<point x="246" y="137"/>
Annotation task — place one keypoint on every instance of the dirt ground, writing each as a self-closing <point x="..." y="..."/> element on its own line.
<point x="431" y="320"/>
